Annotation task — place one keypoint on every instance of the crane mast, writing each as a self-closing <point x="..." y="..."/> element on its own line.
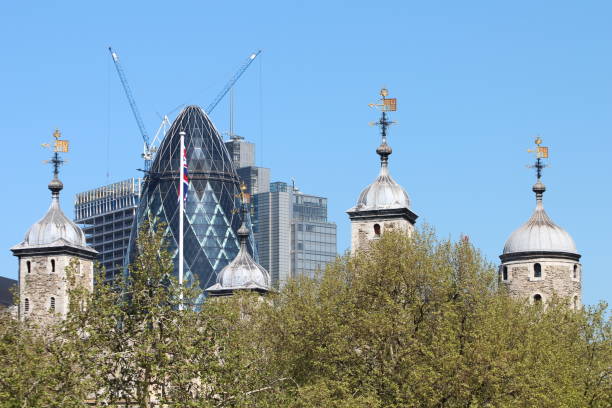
<point x="147" y="153"/>
<point x="232" y="81"/>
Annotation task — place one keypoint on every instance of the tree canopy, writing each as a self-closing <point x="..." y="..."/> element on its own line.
<point x="411" y="322"/>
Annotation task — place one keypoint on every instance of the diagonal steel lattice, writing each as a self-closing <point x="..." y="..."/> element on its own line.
<point x="211" y="216"/>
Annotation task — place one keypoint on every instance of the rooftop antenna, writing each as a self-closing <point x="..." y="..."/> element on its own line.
<point x="59" y="146"/>
<point x="541" y="152"/>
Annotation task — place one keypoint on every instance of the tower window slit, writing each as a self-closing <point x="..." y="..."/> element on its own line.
<point x="575" y="271"/>
<point x="537" y="270"/>
<point x="29" y="266"/>
<point x="377" y="229"/>
<point x="505" y="273"/>
<point x="52" y="304"/>
<point x="53" y="265"/>
<point x="26" y="305"/>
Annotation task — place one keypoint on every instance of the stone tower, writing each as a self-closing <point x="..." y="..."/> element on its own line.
<point x="540" y="258"/>
<point x="242" y="273"/>
<point x="383" y="205"/>
<point x="49" y="246"/>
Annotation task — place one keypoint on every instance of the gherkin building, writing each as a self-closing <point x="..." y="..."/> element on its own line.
<point x="211" y="218"/>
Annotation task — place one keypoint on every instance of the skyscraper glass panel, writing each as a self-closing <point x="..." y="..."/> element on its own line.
<point x="211" y="219"/>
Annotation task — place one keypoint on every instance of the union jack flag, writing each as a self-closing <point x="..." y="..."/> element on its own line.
<point x="185" y="180"/>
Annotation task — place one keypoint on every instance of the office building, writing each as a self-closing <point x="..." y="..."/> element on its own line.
<point x="292" y="233"/>
<point x="241" y="152"/>
<point x="313" y="238"/>
<point x="211" y="219"/>
<point x="106" y="215"/>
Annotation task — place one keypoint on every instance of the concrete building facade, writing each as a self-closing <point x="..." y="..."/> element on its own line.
<point x="292" y="234"/>
<point x="106" y="215"/>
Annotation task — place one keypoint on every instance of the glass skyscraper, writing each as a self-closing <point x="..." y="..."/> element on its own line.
<point x="211" y="216"/>
<point x="292" y="233"/>
<point x="313" y="238"/>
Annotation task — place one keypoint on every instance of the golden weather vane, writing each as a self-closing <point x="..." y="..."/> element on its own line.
<point x="59" y="146"/>
<point x="386" y="105"/>
<point x="541" y="152"/>
<point x="244" y="197"/>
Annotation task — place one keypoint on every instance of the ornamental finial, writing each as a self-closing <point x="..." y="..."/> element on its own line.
<point x="386" y="105"/>
<point x="541" y="152"/>
<point x="59" y="146"/>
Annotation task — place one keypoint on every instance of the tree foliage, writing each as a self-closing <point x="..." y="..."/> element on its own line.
<point x="412" y="322"/>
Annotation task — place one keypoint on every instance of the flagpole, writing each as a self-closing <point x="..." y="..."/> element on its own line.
<point x="181" y="212"/>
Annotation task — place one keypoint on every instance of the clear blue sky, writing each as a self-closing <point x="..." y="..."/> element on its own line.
<point x="475" y="82"/>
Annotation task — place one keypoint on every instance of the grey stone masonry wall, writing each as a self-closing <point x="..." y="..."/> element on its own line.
<point x="363" y="231"/>
<point x="40" y="283"/>
<point x="558" y="276"/>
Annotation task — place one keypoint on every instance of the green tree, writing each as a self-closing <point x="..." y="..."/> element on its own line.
<point x="139" y="335"/>
<point x="37" y="368"/>
<point x="417" y="322"/>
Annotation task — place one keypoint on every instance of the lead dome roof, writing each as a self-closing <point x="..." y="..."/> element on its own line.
<point x="54" y="229"/>
<point x="242" y="273"/>
<point x="384" y="193"/>
<point x="540" y="233"/>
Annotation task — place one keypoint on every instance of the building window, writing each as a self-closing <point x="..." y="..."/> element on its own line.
<point x="537" y="298"/>
<point x="575" y="271"/>
<point x="52" y="304"/>
<point x="377" y="229"/>
<point x="575" y="302"/>
<point x="53" y="265"/>
<point x="505" y="273"/>
<point x="29" y="266"/>
<point x="26" y="305"/>
<point x="537" y="270"/>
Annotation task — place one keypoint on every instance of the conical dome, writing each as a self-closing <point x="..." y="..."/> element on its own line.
<point x="384" y="193"/>
<point x="210" y="222"/>
<point x="540" y="233"/>
<point x="243" y="273"/>
<point x="54" y="229"/>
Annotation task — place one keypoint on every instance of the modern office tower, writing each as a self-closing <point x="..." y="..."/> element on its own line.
<point x="292" y="234"/>
<point x="257" y="179"/>
<point x="106" y="215"/>
<point x="313" y="238"/>
<point x="241" y="151"/>
<point x="210" y="219"/>
<point x="272" y="230"/>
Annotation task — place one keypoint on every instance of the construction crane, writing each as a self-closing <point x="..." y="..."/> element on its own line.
<point x="231" y="82"/>
<point x="150" y="148"/>
<point x="148" y="151"/>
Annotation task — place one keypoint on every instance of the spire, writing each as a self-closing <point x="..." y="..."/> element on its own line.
<point x="541" y="152"/>
<point x="243" y="231"/>
<point x="59" y="146"/>
<point x="387" y="105"/>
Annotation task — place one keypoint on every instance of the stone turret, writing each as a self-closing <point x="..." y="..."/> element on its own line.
<point x="540" y="258"/>
<point x="383" y="205"/>
<point x="48" y="248"/>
